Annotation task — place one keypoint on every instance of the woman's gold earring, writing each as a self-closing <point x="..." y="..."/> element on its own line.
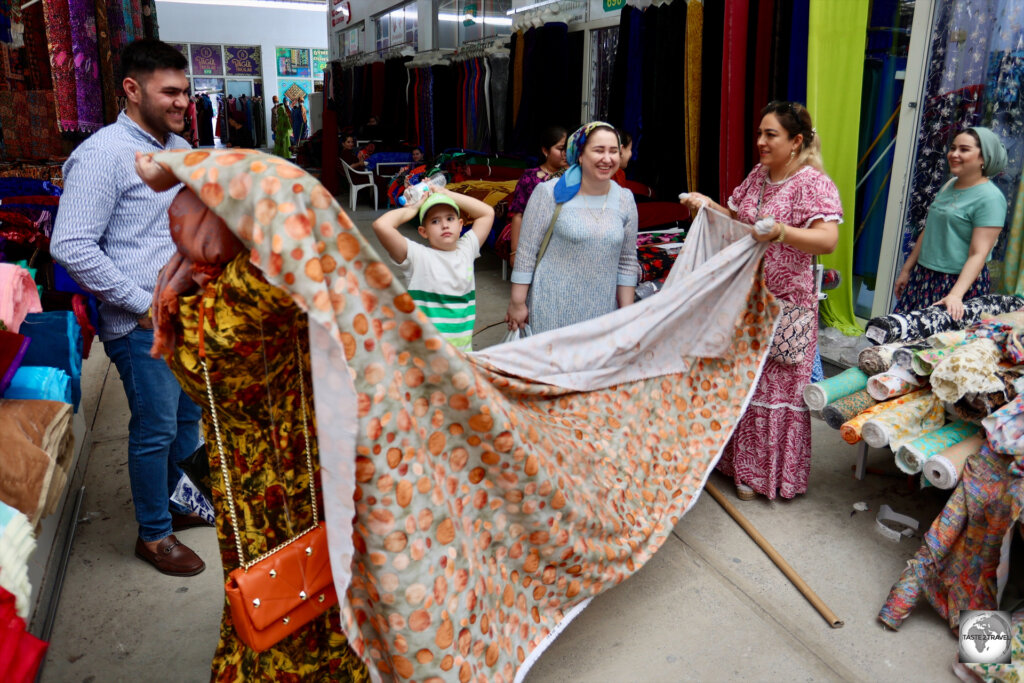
<point x="792" y="153"/>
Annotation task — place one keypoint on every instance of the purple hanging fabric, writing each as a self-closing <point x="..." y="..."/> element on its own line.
<point x="85" y="58"/>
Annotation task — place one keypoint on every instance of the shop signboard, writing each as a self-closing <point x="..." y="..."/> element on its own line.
<point x="207" y="60"/>
<point x="469" y="15"/>
<point x="242" y="60"/>
<point x="614" y="5"/>
<point x="293" y="62"/>
<point x="341" y="12"/>
<point x="319" y="59"/>
<point x="183" y="49"/>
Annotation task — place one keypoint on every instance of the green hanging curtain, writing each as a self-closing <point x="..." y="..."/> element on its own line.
<point x="835" y="70"/>
<point x="1013" y="264"/>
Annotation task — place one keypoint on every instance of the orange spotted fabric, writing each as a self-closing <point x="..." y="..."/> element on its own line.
<point x="471" y="511"/>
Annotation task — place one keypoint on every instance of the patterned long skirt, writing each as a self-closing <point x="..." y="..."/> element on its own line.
<point x="926" y="286"/>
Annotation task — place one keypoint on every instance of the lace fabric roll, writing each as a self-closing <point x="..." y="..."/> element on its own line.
<point x="971" y="368"/>
<point x="850" y="431"/>
<point x="934" y="319"/>
<point x="875" y="360"/>
<point x="838" y="412"/>
<point x="905" y="422"/>
<point x="895" y="382"/>
<point x="944" y="470"/>
<point x="820" y="394"/>
<point x="913" y="455"/>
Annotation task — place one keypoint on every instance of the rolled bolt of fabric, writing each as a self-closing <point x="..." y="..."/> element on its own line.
<point x="820" y="394"/>
<point x="944" y="470"/>
<point x="913" y="455"/>
<point x="875" y="360"/>
<point x="903" y="423"/>
<point x="975" y="407"/>
<point x="895" y="382"/>
<point x="941" y="340"/>
<point x="851" y="430"/>
<point x="1005" y="428"/>
<point x="971" y="368"/>
<point x="904" y="355"/>
<point x="926" y="322"/>
<point x="841" y="410"/>
<point x="925" y="360"/>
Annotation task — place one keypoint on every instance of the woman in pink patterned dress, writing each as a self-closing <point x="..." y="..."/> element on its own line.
<point x="770" y="452"/>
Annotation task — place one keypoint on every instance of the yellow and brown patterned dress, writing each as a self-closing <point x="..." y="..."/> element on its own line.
<point x="250" y="335"/>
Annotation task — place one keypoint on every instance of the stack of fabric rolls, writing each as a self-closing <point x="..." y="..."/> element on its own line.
<point x="927" y="398"/>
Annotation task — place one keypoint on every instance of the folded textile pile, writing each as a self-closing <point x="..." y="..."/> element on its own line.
<point x="934" y="319"/>
<point x="34" y="461"/>
<point x="21" y="653"/>
<point x="16" y="545"/>
<point x="39" y="383"/>
<point x="57" y="343"/>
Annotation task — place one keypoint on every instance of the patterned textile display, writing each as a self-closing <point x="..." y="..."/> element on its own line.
<point x="827" y="391"/>
<point x="912" y="456"/>
<point x="903" y="423"/>
<point x="895" y="382"/>
<point x="104" y="43"/>
<point x="850" y="431"/>
<point x="977" y="406"/>
<point x="904" y="355"/>
<point x="18" y="296"/>
<point x="1005" y="431"/>
<point x="928" y="321"/>
<point x="846" y="408"/>
<point x="943" y="469"/>
<point x="970" y="369"/>
<point x="493" y="193"/>
<point x="490" y="509"/>
<point x="88" y="91"/>
<point x="33" y="114"/>
<point x="955" y="567"/>
<point x="926" y="286"/>
<point x="1005" y="330"/>
<point x="62" y="62"/>
<point x="925" y="360"/>
<point x="250" y="344"/>
<point x="941" y="340"/>
<point x="875" y="360"/>
<point x="655" y="262"/>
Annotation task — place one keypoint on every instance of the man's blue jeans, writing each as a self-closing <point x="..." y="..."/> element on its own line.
<point x="164" y="429"/>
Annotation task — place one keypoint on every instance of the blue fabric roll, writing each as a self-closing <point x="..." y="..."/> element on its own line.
<point x="41" y="384"/>
<point x="797" y="83"/>
<point x="56" y="342"/>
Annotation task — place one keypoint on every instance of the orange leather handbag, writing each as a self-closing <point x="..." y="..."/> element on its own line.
<point x="275" y="594"/>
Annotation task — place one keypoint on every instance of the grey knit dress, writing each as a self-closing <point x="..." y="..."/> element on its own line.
<point x="592" y="251"/>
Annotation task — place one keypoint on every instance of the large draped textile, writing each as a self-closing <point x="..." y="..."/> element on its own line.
<point x="835" y="60"/>
<point x="475" y="503"/>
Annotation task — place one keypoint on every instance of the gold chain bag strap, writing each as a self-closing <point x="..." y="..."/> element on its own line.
<point x="794" y="332"/>
<point x="280" y="591"/>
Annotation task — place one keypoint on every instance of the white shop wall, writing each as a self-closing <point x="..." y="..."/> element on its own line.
<point x="268" y="27"/>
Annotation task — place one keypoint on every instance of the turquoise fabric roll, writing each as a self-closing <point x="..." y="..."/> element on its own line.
<point x="820" y="394"/>
<point x="912" y="456"/>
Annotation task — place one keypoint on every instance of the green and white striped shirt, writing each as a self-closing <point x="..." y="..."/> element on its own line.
<point x="443" y="285"/>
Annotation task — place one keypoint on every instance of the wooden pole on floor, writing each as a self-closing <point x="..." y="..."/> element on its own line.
<point x="772" y="553"/>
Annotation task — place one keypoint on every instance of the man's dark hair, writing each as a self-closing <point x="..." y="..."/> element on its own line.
<point x="146" y="55"/>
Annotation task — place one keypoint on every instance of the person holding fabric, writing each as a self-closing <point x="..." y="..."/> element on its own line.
<point x="255" y="343"/>
<point x="552" y="151"/>
<point x="948" y="262"/>
<point x="112" y="236"/>
<point x="588" y="266"/>
<point x="789" y="194"/>
<point x="282" y="125"/>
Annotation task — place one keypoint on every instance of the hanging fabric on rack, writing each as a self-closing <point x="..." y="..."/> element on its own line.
<point x="759" y="62"/>
<point x="58" y="38"/>
<point x="835" y="59"/>
<point x="711" y="98"/>
<point x="781" y="41"/>
<point x="498" y="63"/>
<point x="85" y="58"/>
<point x="104" y="49"/>
<point x="796" y="85"/>
<point x="694" y="47"/>
<point x="734" y="138"/>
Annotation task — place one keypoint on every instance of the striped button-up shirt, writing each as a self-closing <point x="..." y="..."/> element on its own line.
<point x="112" y="232"/>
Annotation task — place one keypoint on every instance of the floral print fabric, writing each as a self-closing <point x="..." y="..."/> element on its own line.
<point x="971" y="368"/>
<point x="846" y="408"/>
<point x="850" y="431"/>
<point x="904" y="422"/>
<point x="922" y="323"/>
<point x="891" y="384"/>
<point x="476" y="502"/>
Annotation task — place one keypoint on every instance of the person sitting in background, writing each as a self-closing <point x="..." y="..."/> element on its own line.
<point x="350" y="155"/>
<point x="948" y="262"/>
<point x="440" y="276"/>
<point x="552" y="151"/>
<point x="625" y="154"/>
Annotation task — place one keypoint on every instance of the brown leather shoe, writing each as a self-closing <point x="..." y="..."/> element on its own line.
<point x="172" y="557"/>
<point x="180" y="522"/>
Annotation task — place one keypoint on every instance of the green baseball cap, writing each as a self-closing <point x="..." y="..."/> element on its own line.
<point x="435" y="199"/>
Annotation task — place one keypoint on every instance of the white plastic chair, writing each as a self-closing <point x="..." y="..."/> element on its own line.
<point x="353" y="188"/>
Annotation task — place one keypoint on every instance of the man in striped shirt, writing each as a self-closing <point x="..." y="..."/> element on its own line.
<point x="112" y="235"/>
<point x="440" y="275"/>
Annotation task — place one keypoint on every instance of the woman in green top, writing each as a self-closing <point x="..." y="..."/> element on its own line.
<point x="282" y="126"/>
<point x="947" y="264"/>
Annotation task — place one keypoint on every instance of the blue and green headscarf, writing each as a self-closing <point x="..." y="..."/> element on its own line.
<point x="569" y="183"/>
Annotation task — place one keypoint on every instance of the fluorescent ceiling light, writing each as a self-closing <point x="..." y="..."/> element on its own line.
<point x="263" y="4"/>
<point x="491" y="21"/>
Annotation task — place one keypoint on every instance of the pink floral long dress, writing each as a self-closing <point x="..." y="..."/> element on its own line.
<point x="770" y="450"/>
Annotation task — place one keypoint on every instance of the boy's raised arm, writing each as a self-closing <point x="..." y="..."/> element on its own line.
<point x="386" y="229"/>
<point x="474" y="210"/>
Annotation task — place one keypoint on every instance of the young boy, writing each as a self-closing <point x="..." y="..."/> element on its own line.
<point x="440" y="276"/>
